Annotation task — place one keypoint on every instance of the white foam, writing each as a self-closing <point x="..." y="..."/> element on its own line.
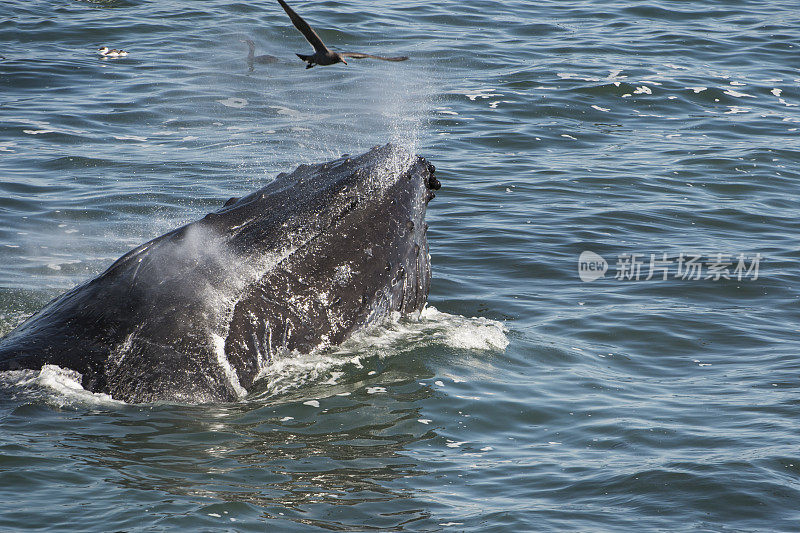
<point x="289" y="371"/>
<point x="233" y="102"/>
<point x="287" y="111"/>
<point x="481" y="93"/>
<point x="573" y="76"/>
<point x="737" y="94"/>
<point x="735" y="109"/>
<point x="62" y="386"/>
<point x="292" y="370"/>
<point x="476" y="333"/>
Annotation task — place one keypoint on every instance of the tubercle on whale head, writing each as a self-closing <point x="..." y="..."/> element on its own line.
<point x="381" y="167"/>
<point x="431" y="182"/>
<point x="312" y="189"/>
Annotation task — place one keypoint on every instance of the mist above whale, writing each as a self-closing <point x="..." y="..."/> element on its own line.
<point x="197" y="314"/>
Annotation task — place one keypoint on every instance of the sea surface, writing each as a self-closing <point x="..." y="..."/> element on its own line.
<point x="661" y="138"/>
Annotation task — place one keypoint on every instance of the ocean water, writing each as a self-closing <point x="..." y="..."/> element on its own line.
<point x="662" y="137"/>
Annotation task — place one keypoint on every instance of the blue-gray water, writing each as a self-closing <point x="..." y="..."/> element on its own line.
<point x="557" y="127"/>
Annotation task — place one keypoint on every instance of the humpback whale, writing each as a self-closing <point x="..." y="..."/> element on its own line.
<point x="197" y="314"/>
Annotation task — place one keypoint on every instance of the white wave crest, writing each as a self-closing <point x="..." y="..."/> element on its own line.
<point x="432" y="328"/>
<point x="61" y="386"/>
<point x="476" y="333"/>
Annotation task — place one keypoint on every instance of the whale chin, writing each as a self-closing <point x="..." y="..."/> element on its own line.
<point x="197" y="314"/>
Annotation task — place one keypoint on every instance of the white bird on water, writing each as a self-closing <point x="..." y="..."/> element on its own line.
<point x="105" y="51"/>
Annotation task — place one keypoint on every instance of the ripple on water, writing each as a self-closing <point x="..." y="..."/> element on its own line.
<point x="556" y="128"/>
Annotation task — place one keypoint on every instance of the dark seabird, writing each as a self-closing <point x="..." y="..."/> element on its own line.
<point x="253" y="58"/>
<point x="322" y="54"/>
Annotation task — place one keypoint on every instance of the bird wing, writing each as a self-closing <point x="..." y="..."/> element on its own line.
<point x="309" y="33"/>
<point x="358" y="55"/>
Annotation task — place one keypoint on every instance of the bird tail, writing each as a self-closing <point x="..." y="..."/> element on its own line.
<point x="304" y="57"/>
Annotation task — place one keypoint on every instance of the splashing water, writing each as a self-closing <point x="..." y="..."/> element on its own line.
<point x="290" y="371"/>
<point x="433" y="328"/>
<point x="55" y="385"/>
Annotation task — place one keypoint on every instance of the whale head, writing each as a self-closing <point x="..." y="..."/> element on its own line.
<point x="198" y="314"/>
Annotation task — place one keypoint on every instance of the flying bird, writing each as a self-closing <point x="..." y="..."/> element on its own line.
<point x="322" y="54"/>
